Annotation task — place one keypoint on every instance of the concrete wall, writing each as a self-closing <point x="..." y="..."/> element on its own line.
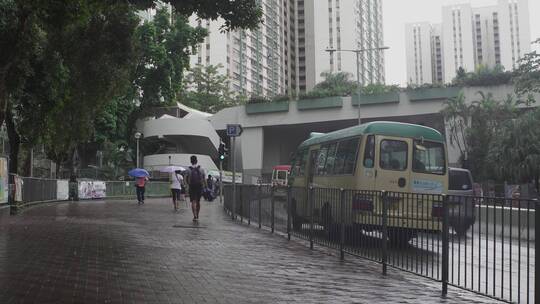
<point x="252" y="149"/>
<point x="158" y="161"/>
<point x="504" y="221"/>
<point x="283" y="131"/>
<point x="180" y="126"/>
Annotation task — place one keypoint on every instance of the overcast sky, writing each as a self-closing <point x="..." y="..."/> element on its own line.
<point x="398" y="12"/>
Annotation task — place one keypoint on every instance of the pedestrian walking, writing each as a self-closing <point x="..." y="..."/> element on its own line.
<point x="176" y="187"/>
<point x="196" y="182"/>
<point x="140" y="184"/>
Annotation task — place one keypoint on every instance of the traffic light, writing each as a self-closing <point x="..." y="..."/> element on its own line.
<point x="222" y="151"/>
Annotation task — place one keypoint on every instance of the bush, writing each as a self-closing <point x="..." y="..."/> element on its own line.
<point x="258" y="99"/>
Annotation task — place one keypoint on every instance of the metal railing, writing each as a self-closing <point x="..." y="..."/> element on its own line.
<point x="42" y="190"/>
<point x="38" y="189"/>
<point x="463" y="241"/>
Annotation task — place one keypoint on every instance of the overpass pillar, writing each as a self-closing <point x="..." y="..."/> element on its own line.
<point x="453" y="147"/>
<point x="252" y="154"/>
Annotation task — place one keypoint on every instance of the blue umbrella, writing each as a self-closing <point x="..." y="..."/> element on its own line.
<point x="138" y="172"/>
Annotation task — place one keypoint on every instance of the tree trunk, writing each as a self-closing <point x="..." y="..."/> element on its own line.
<point x="3" y="98"/>
<point x="14" y="141"/>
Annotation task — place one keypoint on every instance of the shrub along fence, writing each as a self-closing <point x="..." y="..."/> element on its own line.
<point x="462" y="241"/>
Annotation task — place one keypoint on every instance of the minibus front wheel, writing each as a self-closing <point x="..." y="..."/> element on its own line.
<point x="400" y="237"/>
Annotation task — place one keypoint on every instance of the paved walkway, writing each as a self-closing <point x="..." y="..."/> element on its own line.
<point x="118" y="252"/>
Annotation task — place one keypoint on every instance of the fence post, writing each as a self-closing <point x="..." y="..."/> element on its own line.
<point x="233" y="211"/>
<point x="289" y="212"/>
<point x="536" y="255"/>
<point x="241" y="203"/>
<point x="445" y="246"/>
<point x="384" y="204"/>
<point x="342" y="223"/>
<point x="260" y="205"/>
<point x="310" y="208"/>
<point x="249" y="207"/>
<point x="272" y="206"/>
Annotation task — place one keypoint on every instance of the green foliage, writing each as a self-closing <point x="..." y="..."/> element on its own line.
<point x="164" y="49"/>
<point x="412" y="87"/>
<point x="474" y="128"/>
<point x="208" y="89"/>
<point x="334" y="84"/>
<point x="515" y="154"/>
<point x="378" y="88"/>
<point x="258" y="99"/>
<point x="235" y="14"/>
<point x="70" y="73"/>
<point x="340" y="84"/>
<point x="527" y="75"/>
<point x="482" y="76"/>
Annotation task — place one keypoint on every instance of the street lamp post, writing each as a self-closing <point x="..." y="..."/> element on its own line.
<point x="357" y="52"/>
<point x="137" y="137"/>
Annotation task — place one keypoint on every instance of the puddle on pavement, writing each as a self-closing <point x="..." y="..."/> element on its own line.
<point x="188" y="226"/>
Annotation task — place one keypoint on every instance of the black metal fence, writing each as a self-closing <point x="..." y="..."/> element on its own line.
<point x="38" y="189"/>
<point x="463" y="241"/>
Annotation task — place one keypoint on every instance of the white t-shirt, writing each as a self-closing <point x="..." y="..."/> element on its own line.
<point x="176" y="181"/>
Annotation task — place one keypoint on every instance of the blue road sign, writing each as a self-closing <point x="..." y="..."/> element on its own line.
<point x="234" y="130"/>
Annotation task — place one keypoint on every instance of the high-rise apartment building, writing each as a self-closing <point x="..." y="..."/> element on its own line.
<point x="469" y="37"/>
<point x="255" y="61"/>
<point x="423" y="48"/>
<point x="339" y="25"/>
<point x="287" y="54"/>
<point x="418" y="51"/>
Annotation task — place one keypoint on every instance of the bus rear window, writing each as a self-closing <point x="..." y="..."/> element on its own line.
<point x="459" y="180"/>
<point x="428" y="157"/>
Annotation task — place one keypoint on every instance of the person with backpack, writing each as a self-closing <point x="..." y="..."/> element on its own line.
<point x="176" y="186"/>
<point x="196" y="182"/>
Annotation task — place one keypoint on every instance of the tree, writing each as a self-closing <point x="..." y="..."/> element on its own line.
<point x="164" y="48"/>
<point x="90" y="43"/>
<point x="474" y="127"/>
<point x="74" y="71"/>
<point x="483" y="75"/>
<point x="515" y="153"/>
<point x="208" y="90"/>
<point x="336" y="84"/>
<point x="527" y="76"/>
<point x="457" y="116"/>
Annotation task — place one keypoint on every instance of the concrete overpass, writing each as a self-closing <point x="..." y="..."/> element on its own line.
<point x="272" y="131"/>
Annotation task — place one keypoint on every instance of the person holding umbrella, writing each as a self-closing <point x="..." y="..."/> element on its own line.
<point x="176" y="179"/>
<point x="141" y="177"/>
<point x="176" y="185"/>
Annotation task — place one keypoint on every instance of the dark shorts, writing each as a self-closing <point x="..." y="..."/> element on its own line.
<point x="195" y="192"/>
<point x="175" y="192"/>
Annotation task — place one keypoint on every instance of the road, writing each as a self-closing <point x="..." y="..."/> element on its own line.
<point x="485" y="263"/>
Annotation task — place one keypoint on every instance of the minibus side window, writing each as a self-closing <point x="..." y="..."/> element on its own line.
<point x="393" y="155"/>
<point x="369" y="152"/>
<point x="346" y="156"/>
<point x="300" y="163"/>
<point x="321" y="160"/>
<point x="330" y="159"/>
<point x="428" y="157"/>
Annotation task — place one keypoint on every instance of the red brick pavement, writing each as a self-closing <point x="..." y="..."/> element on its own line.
<point x="118" y="252"/>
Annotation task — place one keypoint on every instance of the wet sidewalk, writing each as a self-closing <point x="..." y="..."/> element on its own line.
<point x="119" y="252"/>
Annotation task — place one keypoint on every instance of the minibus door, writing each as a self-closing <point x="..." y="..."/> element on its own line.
<point x="393" y="168"/>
